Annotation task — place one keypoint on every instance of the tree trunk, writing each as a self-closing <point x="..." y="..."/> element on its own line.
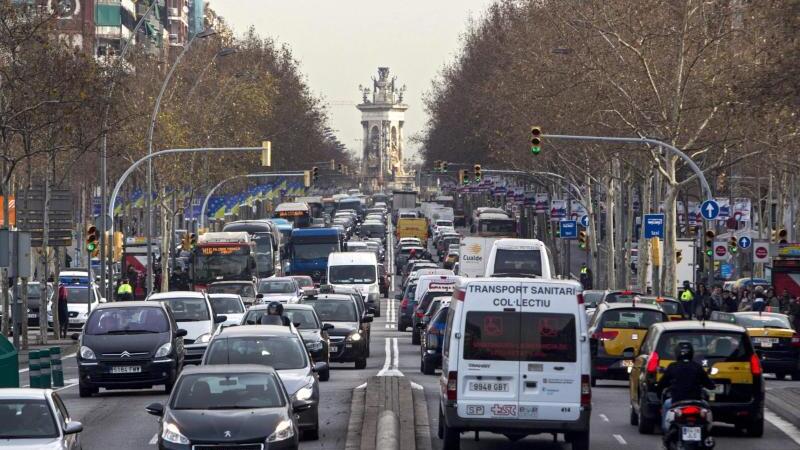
<point x="166" y="235"/>
<point x="593" y="263"/>
<point x="629" y="221"/>
<point x="610" y="245"/>
<point x="643" y="263"/>
<point x="45" y="259"/>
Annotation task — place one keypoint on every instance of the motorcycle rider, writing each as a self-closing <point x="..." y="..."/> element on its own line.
<point x="274" y="315"/>
<point x="685" y="379"/>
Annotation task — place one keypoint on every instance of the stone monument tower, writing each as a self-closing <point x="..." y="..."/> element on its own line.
<point x="382" y="118"/>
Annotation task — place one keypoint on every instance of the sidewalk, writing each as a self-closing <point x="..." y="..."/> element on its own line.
<point x="67" y="346"/>
<point x="784" y="402"/>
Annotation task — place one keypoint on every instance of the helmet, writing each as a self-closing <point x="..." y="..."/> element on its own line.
<point x="759" y="289"/>
<point x="684" y="352"/>
<point x="275" y="309"/>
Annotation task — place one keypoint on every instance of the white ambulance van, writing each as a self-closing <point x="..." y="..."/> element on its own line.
<point x="528" y="258"/>
<point x="515" y="361"/>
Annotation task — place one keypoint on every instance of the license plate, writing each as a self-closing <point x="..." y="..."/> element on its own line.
<point x="74" y="320"/>
<point x="691" y="434"/>
<point x="719" y="389"/>
<point x="627" y="363"/>
<point x="126" y="369"/>
<point x="33" y="316"/>
<point x="488" y="387"/>
<point x="766" y="342"/>
<point x="334" y="348"/>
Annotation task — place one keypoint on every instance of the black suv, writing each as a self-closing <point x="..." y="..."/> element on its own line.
<point x="347" y="340"/>
<point x="129" y="345"/>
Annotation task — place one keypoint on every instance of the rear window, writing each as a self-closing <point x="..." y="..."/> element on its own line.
<point x="501" y="336"/>
<point x="671" y="308"/>
<point x="518" y="262"/>
<point x="713" y="345"/>
<point x="621" y="297"/>
<point x="639" y="319"/>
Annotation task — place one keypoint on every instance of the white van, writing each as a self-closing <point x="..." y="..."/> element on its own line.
<point x="358" y="270"/>
<point x="515" y="361"/>
<point x="428" y="287"/>
<point x="528" y="258"/>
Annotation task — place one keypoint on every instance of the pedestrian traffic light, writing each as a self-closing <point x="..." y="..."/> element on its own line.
<point x="679" y="255"/>
<point x="477" y="169"/>
<point x="582" y="240"/>
<point x="782" y="235"/>
<point x="536" y="140"/>
<point x="443" y="166"/>
<point x="91" y="239"/>
<point x="733" y="245"/>
<point x="314" y="175"/>
<point x="710" y="243"/>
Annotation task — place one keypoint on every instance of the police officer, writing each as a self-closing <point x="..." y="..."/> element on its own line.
<point x="125" y="291"/>
<point x="274" y="315"/>
<point x="687" y="299"/>
<point x="586" y="276"/>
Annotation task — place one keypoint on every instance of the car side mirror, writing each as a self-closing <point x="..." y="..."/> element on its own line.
<point x="75" y="336"/>
<point x="320" y="366"/>
<point x="327" y="326"/>
<point x="156" y="409"/>
<point x="180" y="332"/>
<point x="368" y="318"/>
<point x="259" y="295"/>
<point x="371" y="310"/>
<point x="398" y="297"/>
<point x="628" y="353"/>
<point x="73" y="427"/>
<point x="220" y="318"/>
<point x="300" y="406"/>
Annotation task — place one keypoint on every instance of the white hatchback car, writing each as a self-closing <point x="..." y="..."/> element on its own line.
<point x="37" y="419"/>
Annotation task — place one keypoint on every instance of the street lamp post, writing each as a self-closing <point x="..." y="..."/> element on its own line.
<point x="220" y="54"/>
<point x="149" y="194"/>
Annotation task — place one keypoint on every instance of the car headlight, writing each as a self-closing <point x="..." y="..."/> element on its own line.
<point x="304" y="393"/>
<point x="83" y="315"/>
<point x="283" y="431"/>
<point x="355" y="337"/>
<point x="314" y="346"/>
<point x="87" y="353"/>
<point x="203" y="338"/>
<point x="164" y="350"/>
<point x="172" y="434"/>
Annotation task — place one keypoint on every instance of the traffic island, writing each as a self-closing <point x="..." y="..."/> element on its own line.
<point x="388" y="414"/>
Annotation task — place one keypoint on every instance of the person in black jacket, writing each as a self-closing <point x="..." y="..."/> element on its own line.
<point x="274" y="315"/>
<point x="685" y="379"/>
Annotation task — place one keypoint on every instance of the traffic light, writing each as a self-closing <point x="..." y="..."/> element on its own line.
<point x="443" y="166"/>
<point x="679" y="255"/>
<point x="436" y="165"/>
<point x="477" y="169"/>
<point x="733" y="245"/>
<point x="91" y="239"/>
<point x="193" y="240"/>
<point x="536" y="140"/>
<point x="314" y="175"/>
<point x="782" y="235"/>
<point x="710" y="243"/>
<point x="582" y="240"/>
<point x="341" y="168"/>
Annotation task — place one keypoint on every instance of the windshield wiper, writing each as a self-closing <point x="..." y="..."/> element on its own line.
<point x="128" y="331"/>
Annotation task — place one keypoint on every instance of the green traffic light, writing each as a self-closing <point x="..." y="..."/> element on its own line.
<point x="709" y="253"/>
<point x="535" y="149"/>
<point x="91" y="246"/>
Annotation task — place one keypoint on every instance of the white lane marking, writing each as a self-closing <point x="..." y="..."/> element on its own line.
<point x="620" y="439"/>
<point x="71" y="355"/>
<point x="388" y="358"/>
<point x="154" y="439"/>
<point x="416" y="386"/>
<point x="604" y="417"/>
<point x="390" y="365"/>
<point x="361" y="386"/>
<point x="396" y="355"/>
<point x="788" y="428"/>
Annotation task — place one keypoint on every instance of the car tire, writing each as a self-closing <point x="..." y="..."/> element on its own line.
<point x="401" y="327"/>
<point x="645" y="425"/>
<point x="634" y="419"/>
<point x="440" y="428"/>
<point x="451" y="439"/>
<point x="168" y="386"/>
<point x="86" y="392"/>
<point x="415" y="336"/>
<point x="755" y="428"/>
<point x="579" y="440"/>
<point x="781" y="375"/>
<point x="427" y="368"/>
<point x="796" y="376"/>
<point x="593" y="381"/>
<point x="325" y="375"/>
<point x="361" y="364"/>
<point x="377" y="312"/>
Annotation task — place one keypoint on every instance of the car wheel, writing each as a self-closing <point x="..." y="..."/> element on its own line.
<point x="414" y="336"/>
<point x="634" y="417"/>
<point x="168" y="386"/>
<point x="85" y="392"/>
<point x="646" y="425"/>
<point x="796" y="376"/>
<point x="312" y="434"/>
<point x="361" y="364"/>
<point x="440" y="430"/>
<point x="580" y="440"/>
<point x="451" y="439"/>
<point x="781" y="376"/>
<point x="755" y="428"/>
<point x="427" y="368"/>
<point x="593" y="381"/>
<point x="325" y="375"/>
<point x="401" y="327"/>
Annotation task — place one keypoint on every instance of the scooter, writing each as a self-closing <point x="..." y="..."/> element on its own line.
<point x="689" y="426"/>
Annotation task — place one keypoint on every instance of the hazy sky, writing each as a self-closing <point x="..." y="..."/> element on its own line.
<point x="340" y="44"/>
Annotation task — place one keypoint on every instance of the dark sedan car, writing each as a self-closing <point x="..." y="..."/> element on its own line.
<point x="348" y="343"/>
<point x="129" y="345"/>
<point x="231" y="406"/>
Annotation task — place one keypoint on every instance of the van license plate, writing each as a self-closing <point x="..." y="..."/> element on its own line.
<point x="334" y="348"/>
<point x="476" y="386"/>
<point x="126" y="369"/>
<point x="691" y="434"/>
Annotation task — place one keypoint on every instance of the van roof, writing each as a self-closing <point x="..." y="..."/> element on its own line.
<point x="352" y="258"/>
<point x="513" y="243"/>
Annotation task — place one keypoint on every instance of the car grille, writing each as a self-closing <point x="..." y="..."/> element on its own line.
<point x="229" y="447"/>
<point x="337" y="339"/>
<point x="127" y="356"/>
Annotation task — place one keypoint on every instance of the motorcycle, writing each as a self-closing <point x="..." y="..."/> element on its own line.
<point x="689" y="426"/>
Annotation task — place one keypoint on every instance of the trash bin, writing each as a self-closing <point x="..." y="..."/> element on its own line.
<point x="9" y="364"/>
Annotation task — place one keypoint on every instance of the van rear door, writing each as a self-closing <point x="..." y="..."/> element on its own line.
<point x="488" y="373"/>
<point x="550" y="365"/>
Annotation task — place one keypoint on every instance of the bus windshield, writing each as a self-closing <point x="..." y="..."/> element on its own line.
<point x="221" y="263"/>
<point x="499" y="227"/>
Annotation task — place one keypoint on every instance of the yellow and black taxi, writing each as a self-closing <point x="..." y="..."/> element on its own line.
<point x="724" y="350"/>
<point x="671" y="307"/>
<point x="615" y="334"/>
<point x="773" y="338"/>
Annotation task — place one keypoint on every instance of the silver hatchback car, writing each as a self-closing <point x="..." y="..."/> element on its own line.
<point x="36" y="419"/>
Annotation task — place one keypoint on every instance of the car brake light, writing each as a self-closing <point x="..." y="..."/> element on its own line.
<point x="586" y="390"/>
<point x="605" y="335"/>
<point x="796" y="340"/>
<point x="755" y="365"/>
<point x="420" y="314"/>
<point x="652" y="363"/>
<point x="452" y="386"/>
<point x="404" y="303"/>
<point x="459" y="294"/>
<point x="580" y="299"/>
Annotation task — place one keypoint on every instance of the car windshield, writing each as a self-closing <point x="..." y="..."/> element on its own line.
<point x="277" y="287"/>
<point x="638" y="319"/>
<point x="334" y="311"/>
<point x="226" y="305"/>
<point x="244" y="290"/>
<point x="304" y="282"/>
<point x="79" y="294"/>
<point x="763" y="321"/>
<point x="228" y="391"/>
<point x="26" y="419"/>
<point x="188" y="309"/>
<point x="592" y="298"/>
<point x="279" y="352"/>
<point x="718" y="345"/>
<point x="670" y="308"/>
<point x="127" y="321"/>
<point x="352" y="274"/>
<point x="302" y="318"/>
<point x="304" y="251"/>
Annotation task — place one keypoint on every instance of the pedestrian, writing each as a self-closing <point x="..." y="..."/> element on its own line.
<point x="759" y="300"/>
<point x="794" y="313"/>
<point x="63" y="311"/>
<point x="706" y="303"/>
<point x="785" y="300"/>
<point x="586" y="276"/>
<point x="125" y="291"/>
<point x="773" y="303"/>
<point x="687" y="299"/>
<point x="729" y="303"/>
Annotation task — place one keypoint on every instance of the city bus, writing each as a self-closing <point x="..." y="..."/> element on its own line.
<point x="267" y="240"/>
<point x="495" y="225"/>
<point x="222" y="256"/>
<point x="299" y="214"/>
<point x="314" y="205"/>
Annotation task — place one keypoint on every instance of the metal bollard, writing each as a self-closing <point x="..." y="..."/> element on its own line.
<point x="44" y="363"/>
<point x="33" y="368"/>
<point x="55" y="367"/>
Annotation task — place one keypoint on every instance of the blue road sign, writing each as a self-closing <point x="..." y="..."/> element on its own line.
<point x="585" y="221"/>
<point x="654" y="226"/>
<point x="709" y="209"/>
<point x="569" y="229"/>
<point x="745" y="242"/>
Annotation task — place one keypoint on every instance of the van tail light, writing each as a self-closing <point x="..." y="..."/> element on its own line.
<point x="404" y="303"/>
<point x="652" y="363"/>
<point x="755" y="365"/>
<point x="796" y="340"/>
<point x="580" y="299"/>
<point x="586" y="390"/>
<point x="605" y="335"/>
<point x="452" y="386"/>
<point x="420" y="314"/>
<point x="459" y="294"/>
